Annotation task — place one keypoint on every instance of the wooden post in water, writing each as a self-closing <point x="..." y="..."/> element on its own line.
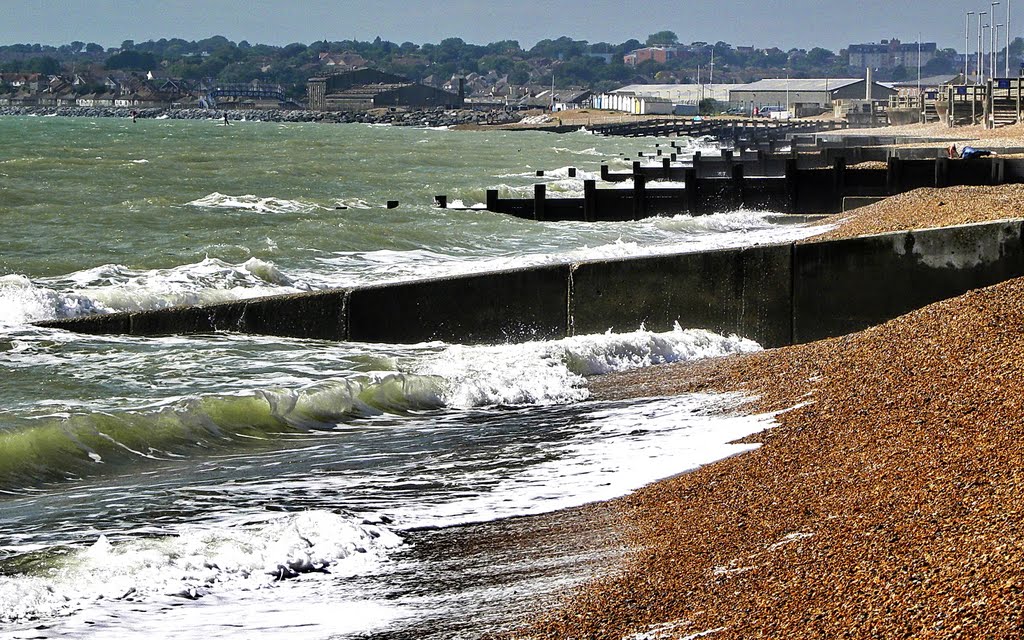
<point x="639" y="197"/>
<point x="589" y="200"/>
<point x="666" y="169"/>
<point x="792" y="181"/>
<point x="539" y="191"/>
<point x="604" y="172"/>
<point x="739" y="197"/>
<point x="690" y="177"/>
<point x="441" y="202"/>
<point x="572" y="172"/>
<point x="492" y="200"/>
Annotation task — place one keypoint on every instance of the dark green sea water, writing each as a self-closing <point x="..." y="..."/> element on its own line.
<point x="200" y="486"/>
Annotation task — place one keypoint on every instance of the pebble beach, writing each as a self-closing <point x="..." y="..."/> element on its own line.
<point x="887" y="501"/>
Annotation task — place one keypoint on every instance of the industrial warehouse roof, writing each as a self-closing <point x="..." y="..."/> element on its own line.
<point x="798" y="84"/>
<point x="679" y="93"/>
<point x="930" y="81"/>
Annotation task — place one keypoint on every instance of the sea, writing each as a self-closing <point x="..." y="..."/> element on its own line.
<point x="240" y="486"/>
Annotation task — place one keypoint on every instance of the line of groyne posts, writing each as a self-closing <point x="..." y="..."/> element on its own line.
<point x="796" y="183"/>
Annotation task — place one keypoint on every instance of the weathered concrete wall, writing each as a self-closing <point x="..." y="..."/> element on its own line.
<point x="844" y="286"/>
<point x="508" y="306"/>
<point x="318" y="314"/>
<point x="775" y="294"/>
<point x="743" y="291"/>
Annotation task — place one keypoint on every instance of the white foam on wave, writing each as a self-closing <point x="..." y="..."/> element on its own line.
<point x="591" y="151"/>
<point x="110" y="288"/>
<point x="208" y="281"/>
<point x="256" y="204"/>
<point x="614" y="450"/>
<point x="552" y="372"/>
<point x="651" y="237"/>
<point x="22" y="301"/>
<point x="198" y="561"/>
<point x="458" y="203"/>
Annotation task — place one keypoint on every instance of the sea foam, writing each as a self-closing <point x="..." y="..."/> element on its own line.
<point x="197" y="561"/>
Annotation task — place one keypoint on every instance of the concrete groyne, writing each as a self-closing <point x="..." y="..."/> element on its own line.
<point x="776" y="294"/>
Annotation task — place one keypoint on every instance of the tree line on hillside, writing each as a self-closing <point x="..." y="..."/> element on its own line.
<point x="565" y="61"/>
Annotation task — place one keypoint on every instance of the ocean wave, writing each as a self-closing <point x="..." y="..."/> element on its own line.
<point x="194" y="562"/>
<point x="554" y="372"/>
<point x="80" y="441"/>
<point x="110" y="288"/>
<point x="93" y="442"/>
<point x="256" y="204"/>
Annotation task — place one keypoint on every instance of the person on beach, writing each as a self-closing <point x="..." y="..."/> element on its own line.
<point x="971" y="152"/>
<point x="226" y="121"/>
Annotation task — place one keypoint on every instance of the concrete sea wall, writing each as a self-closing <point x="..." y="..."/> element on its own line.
<point x="776" y="294"/>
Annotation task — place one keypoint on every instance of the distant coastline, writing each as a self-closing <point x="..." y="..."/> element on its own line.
<point x="414" y="118"/>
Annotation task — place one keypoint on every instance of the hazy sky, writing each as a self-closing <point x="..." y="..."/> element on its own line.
<point x="762" y="23"/>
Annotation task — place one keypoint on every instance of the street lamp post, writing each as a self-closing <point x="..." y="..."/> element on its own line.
<point x="995" y="54"/>
<point x="992" y="37"/>
<point x="1006" y="67"/>
<point x="920" y="96"/>
<point x="967" y="41"/>
<point x="981" y="60"/>
<point x="787" y="92"/>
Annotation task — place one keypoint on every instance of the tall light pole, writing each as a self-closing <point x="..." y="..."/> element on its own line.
<point x="787" y="92"/>
<point x="967" y="41"/>
<point x="981" y="60"/>
<point x="1007" y="59"/>
<point x="920" y="96"/>
<point x="992" y="37"/>
<point x="995" y="54"/>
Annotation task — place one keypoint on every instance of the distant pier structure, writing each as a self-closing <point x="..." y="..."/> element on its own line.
<point x="365" y="89"/>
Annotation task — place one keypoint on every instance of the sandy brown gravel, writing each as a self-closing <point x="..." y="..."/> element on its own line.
<point x="927" y="208"/>
<point x="888" y="505"/>
<point x="975" y="135"/>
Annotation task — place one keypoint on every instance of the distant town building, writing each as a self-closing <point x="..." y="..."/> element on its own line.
<point x="634" y="104"/>
<point x="890" y="54"/>
<point x="347" y="60"/>
<point x="679" y="93"/>
<point x="789" y="93"/>
<point x="365" y="89"/>
<point x="660" y="55"/>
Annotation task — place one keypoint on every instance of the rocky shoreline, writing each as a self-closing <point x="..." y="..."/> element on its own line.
<point x="886" y="503"/>
<point x="438" y="117"/>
